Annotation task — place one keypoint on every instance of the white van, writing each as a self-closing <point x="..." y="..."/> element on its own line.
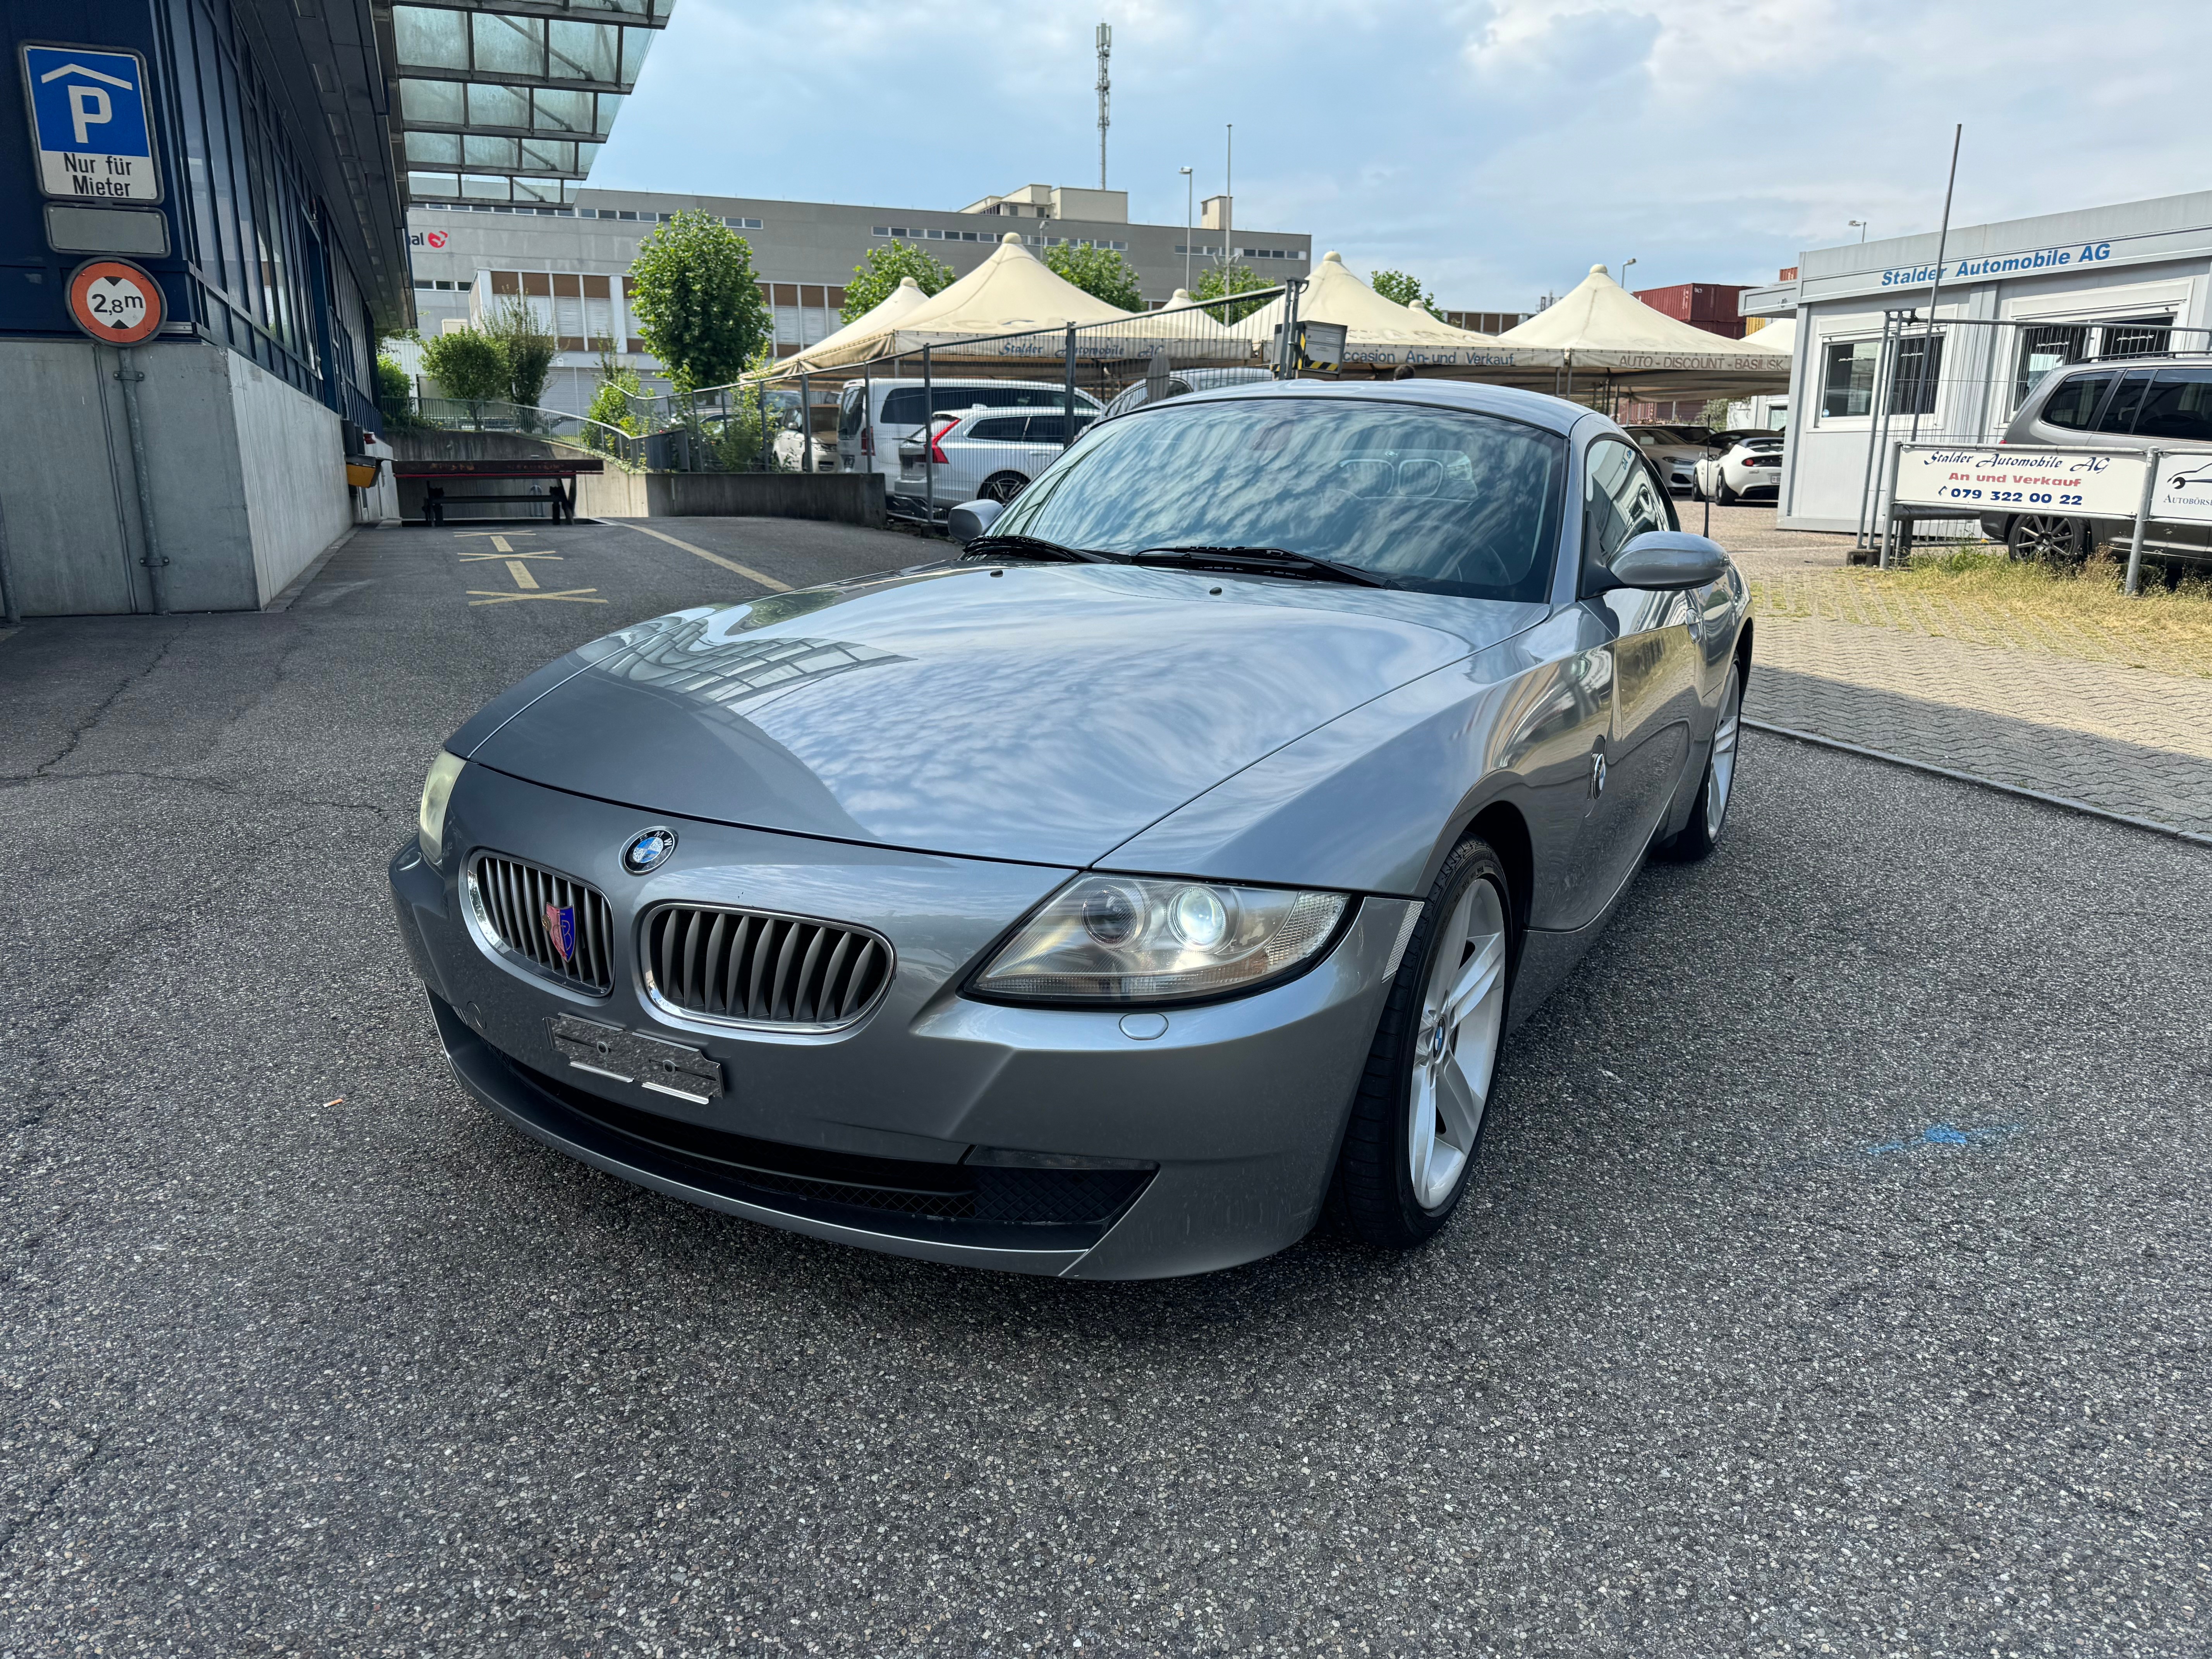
<point x="868" y="438"/>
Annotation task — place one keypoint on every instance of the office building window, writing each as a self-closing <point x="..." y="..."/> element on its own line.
<point x="1847" y="377"/>
<point x="1919" y="374"/>
<point x="2137" y="336"/>
<point x="269" y="279"/>
<point x="2047" y="347"/>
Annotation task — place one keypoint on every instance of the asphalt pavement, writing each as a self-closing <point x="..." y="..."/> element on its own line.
<point x="1836" y="1279"/>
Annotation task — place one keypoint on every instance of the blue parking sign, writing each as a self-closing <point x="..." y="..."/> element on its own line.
<point x="89" y="123"/>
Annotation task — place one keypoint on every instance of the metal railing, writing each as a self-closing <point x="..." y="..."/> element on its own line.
<point x="1960" y="380"/>
<point x="626" y="449"/>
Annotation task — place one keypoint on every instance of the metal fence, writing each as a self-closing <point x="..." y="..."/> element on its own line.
<point x="1008" y="404"/>
<point x="1960" y="381"/>
<point x="626" y="449"/>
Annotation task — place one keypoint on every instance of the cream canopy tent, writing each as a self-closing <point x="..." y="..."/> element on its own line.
<point x="1780" y="336"/>
<point x="884" y="313"/>
<point x="1604" y="331"/>
<point x="1378" y="333"/>
<point x="1011" y="292"/>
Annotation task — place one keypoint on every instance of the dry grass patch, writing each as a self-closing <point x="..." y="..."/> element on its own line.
<point x="1990" y="600"/>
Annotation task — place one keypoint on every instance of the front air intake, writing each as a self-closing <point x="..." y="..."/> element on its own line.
<point x="760" y="968"/>
<point x="549" y="922"/>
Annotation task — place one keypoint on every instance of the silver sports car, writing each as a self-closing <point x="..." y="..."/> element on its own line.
<point x="1111" y="899"/>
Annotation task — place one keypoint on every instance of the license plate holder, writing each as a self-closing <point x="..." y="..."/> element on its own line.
<point x="649" y="1062"/>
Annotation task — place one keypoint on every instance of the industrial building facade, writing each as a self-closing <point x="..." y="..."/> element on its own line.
<point x="573" y="260"/>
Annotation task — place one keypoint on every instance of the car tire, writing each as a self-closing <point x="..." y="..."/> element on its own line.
<point x="1002" y="487"/>
<point x="1417" y="1122"/>
<point x="1708" y="812"/>
<point x="1723" y="494"/>
<point x="2039" y="538"/>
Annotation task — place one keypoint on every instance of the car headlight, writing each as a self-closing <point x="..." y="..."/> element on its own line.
<point x="437" y="790"/>
<point x="1144" y="939"/>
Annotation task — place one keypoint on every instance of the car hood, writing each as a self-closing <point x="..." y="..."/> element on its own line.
<point x="1036" y="713"/>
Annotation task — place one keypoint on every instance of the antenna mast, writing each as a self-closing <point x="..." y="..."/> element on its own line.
<point x="1105" y="87"/>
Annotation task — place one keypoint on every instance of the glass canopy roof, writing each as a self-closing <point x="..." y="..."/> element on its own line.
<point x="508" y="100"/>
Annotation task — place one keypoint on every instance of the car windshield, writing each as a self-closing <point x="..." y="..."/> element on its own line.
<point x="1438" y="500"/>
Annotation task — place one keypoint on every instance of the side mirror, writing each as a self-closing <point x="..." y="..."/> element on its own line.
<point x="970" y="520"/>
<point x="1664" y="560"/>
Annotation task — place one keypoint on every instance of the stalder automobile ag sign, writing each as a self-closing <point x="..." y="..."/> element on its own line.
<point x="2062" y="483"/>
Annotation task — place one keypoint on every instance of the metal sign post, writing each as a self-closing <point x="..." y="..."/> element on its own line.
<point x="117" y="303"/>
<point x="928" y="446"/>
<point x="2156" y="460"/>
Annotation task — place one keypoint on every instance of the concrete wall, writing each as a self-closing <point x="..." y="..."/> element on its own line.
<point x="291" y="454"/>
<point x="247" y="480"/>
<point x="842" y="498"/>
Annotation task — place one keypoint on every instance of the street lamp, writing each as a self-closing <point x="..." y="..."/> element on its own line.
<point x="1189" y="193"/>
<point x="1623" y="272"/>
<point x="1861" y="227"/>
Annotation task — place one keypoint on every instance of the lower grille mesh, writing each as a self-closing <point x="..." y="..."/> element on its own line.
<point x="538" y="913"/>
<point x="766" y="969"/>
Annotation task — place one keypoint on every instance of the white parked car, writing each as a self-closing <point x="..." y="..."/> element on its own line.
<point x="1750" y="469"/>
<point x="985" y="454"/>
<point x="874" y="417"/>
<point x="1675" y="451"/>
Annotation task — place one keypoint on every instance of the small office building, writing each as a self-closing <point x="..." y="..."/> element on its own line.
<point x="2017" y="299"/>
<point x="572" y="259"/>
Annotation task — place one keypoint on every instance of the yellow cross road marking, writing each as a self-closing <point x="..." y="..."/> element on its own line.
<point x="574" y="594"/>
<point x="494" y="534"/>
<point x="520" y="572"/>
<point x="479" y="558"/>
<point x="746" y="571"/>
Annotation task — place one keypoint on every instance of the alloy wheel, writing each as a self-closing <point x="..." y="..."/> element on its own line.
<point x="1455" y="1046"/>
<point x="2043" y="538"/>
<point x="1725" y="733"/>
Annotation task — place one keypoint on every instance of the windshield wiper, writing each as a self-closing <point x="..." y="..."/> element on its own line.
<point x="1032" y="547"/>
<point x="1269" y="561"/>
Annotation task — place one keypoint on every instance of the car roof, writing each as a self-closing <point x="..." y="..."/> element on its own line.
<point x="1535" y="407"/>
<point x="2145" y="360"/>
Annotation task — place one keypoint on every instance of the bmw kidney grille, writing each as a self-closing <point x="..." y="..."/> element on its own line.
<point x="760" y="968"/>
<point x="556" y="924"/>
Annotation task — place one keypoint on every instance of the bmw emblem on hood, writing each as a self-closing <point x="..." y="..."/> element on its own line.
<point x="649" y="850"/>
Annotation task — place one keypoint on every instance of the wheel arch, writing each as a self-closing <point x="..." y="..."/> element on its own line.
<point x="1501" y="825"/>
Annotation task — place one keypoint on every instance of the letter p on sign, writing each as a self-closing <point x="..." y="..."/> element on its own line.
<point x="88" y="108"/>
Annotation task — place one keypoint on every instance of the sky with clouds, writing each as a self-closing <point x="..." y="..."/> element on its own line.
<point x="1497" y="149"/>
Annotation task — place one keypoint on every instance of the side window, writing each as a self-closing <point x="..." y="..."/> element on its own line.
<point x="1622" y="500"/>
<point x="1001" y="428"/>
<point x="904" y="407"/>
<point x="2119" y="415"/>
<point x="2179" y="407"/>
<point x="2074" y="404"/>
<point x="848" y="417"/>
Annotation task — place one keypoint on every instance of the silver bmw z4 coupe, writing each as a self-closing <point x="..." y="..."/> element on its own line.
<point x="1116" y="897"/>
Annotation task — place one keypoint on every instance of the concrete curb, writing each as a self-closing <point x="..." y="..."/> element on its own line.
<point x="298" y="584"/>
<point x="2193" y="836"/>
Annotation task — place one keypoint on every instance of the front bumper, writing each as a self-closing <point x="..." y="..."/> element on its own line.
<point x="1039" y="1140"/>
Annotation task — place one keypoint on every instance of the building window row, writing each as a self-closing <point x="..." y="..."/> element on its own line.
<point x="1269" y="253"/>
<point x="572" y="213"/>
<point x="918" y="233"/>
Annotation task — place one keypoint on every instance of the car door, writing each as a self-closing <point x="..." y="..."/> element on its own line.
<point x="1655" y="663"/>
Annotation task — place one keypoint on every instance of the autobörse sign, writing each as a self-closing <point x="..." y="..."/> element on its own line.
<point x="89" y="123"/>
<point x="2064" y="483"/>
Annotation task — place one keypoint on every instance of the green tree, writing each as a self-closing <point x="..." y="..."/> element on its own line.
<point x="876" y="279"/>
<point x="468" y="366"/>
<point x="1100" y="272"/>
<point x="1220" y="282"/>
<point x="395" y="393"/>
<point x="1400" y="289"/>
<point x="528" y="347"/>
<point x="697" y="304"/>
<point x="611" y="403"/>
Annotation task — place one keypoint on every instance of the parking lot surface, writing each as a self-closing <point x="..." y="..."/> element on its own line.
<point x="1836" y="1280"/>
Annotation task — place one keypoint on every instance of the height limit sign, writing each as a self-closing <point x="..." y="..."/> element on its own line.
<point x="89" y="123"/>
